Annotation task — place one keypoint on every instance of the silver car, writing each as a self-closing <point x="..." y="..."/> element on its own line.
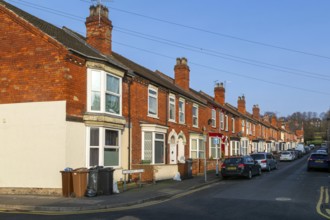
<point x="286" y="156"/>
<point x="266" y="160"/>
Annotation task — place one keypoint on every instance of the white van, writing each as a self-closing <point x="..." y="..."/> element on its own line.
<point x="301" y="147"/>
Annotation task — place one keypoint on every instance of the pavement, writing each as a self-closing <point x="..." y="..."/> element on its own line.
<point x="133" y="196"/>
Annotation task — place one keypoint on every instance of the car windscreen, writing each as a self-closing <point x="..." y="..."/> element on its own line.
<point x="235" y="160"/>
<point x="258" y="156"/>
<point x="319" y="156"/>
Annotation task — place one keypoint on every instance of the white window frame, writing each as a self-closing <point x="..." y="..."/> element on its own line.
<point x="226" y="122"/>
<point x="171" y="101"/>
<point x="155" y="96"/>
<point x="234" y="148"/>
<point x="243" y="126"/>
<point x="214" y="116"/>
<point x="102" y="146"/>
<point x="233" y="125"/>
<point x="247" y="127"/>
<point x="215" y="144"/>
<point x="195" y="106"/>
<point x="199" y="149"/>
<point x="222" y="121"/>
<point x="182" y="111"/>
<point x="154" y="129"/>
<point x="102" y="90"/>
<point x="244" y="146"/>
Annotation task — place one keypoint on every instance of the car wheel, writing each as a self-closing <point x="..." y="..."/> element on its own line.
<point x="308" y="169"/>
<point x="250" y="174"/>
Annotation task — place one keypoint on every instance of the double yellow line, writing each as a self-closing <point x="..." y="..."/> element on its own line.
<point x="323" y="200"/>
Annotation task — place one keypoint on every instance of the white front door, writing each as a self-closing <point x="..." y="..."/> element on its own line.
<point x="181" y="157"/>
<point x="173" y="152"/>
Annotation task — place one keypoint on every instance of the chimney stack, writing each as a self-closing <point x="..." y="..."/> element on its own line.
<point x="219" y="93"/>
<point x="99" y="29"/>
<point x="256" y="112"/>
<point x="241" y="104"/>
<point x="274" y="120"/>
<point x="181" y="73"/>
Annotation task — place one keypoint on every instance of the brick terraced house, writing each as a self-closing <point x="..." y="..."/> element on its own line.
<point x="70" y="101"/>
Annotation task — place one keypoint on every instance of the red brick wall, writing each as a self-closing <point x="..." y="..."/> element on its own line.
<point x="35" y="68"/>
<point x="139" y="114"/>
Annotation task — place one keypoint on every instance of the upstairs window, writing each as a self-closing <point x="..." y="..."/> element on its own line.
<point x="247" y="128"/>
<point x="233" y="125"/>
<point x="226" y="120"/>
<point x="152" y="102"/>
<point x="104" y="92"/>
<point x="243" y="126"/>
<point x="222" y="126"/>
<point x="171" y="108"/>
<point x="181" y="111"/>
<point x="214" y="115"/>
<point x="195" y="115"/>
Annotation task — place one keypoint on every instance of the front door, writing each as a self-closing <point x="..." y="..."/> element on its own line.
<point x="173" y="152"/>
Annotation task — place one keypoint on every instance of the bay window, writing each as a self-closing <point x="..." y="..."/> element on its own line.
<point x="153" y="143"/>
<point x="103" y="147"/>
<point x="215" y="149"/>
<point x="197" y="147"/>
<point x="104" y="92"/>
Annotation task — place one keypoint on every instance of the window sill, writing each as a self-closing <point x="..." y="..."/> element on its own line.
<point x="153" y="116"/>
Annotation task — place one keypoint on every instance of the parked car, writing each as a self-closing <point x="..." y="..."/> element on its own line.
<point x="299" y="153"/>
<point x="318" y="161"/>
<point x="286" y="156"/>
<point x="324" y="151"/>
<point x="301" y="147"/>
<point x="237" y="166"/>
<point x="307" y="149"/>
<point x="266" y="160"/>
<point x="294" y="153"/>
<point x="312" y="146"/>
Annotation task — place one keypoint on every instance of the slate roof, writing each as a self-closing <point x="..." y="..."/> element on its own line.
<point x="211" y="100"/>
<point x="156" y="78"/>
<point x="65" y="36"/>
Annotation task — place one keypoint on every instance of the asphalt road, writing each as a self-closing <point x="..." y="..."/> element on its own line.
<point x="287" y="193"/>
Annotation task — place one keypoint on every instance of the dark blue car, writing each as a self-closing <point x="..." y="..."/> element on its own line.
<point x="318" y="161"/>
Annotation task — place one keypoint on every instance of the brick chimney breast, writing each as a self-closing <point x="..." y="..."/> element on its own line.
<point x="256" y="112"/>
<point x="182" y="73"/>
<point x="241" y="104"/>
<point x="219" y="93"/>
<point x="99" y="29"/>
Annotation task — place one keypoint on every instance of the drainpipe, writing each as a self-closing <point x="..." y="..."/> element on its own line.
<point x="166" y="123"/>
<point x="129" y="124"/>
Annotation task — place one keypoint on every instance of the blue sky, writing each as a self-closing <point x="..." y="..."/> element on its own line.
<point x="275" y="52"/>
